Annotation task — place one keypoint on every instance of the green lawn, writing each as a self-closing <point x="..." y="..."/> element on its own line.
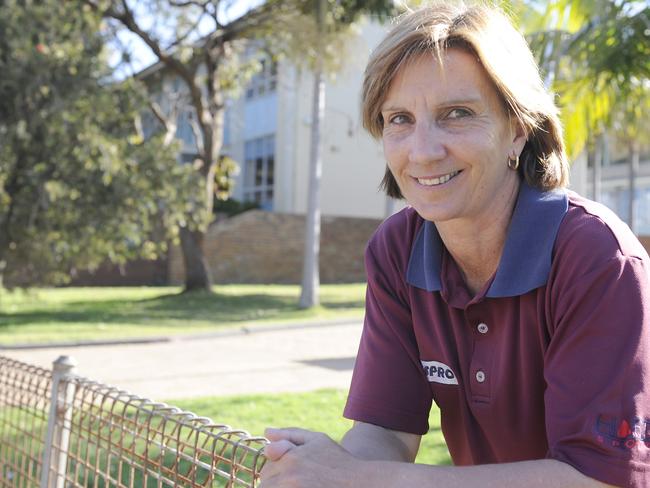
<point x="69" y="314"/>
<point x="319" y="410"/>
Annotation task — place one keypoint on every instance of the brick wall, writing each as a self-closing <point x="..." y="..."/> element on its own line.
<point x="259" y="247"/>
<point x="265" y="247"/>
<point x="139" y="272"/>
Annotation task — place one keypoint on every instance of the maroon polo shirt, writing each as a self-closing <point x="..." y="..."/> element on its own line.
<point x="550" y="360"/>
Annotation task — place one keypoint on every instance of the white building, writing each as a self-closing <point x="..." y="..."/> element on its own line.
<point x="268" y="133"/>
<point x="615" y="188"/>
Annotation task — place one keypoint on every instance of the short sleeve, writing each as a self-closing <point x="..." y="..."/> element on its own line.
<point x="388" y="385"/>
<point x="597" y="371"/>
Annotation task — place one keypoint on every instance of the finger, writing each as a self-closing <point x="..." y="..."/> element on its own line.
<point x="292" y="434"/>
<point x="275" y="450"/>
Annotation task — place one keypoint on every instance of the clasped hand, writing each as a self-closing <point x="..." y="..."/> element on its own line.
<point x="298" y="458"/>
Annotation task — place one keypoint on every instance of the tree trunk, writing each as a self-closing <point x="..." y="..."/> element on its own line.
<point x="210" y="115"/>
<point x="197" y="271"/>
<point x="634" y="171"/>
<point x="310" y="273"/>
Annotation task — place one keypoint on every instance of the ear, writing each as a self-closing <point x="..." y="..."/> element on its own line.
<point x="519" y="137"/>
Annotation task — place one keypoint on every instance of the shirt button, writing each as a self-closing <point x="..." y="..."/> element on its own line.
<point x="483" y="328"/>
<point x="480" y="376"/>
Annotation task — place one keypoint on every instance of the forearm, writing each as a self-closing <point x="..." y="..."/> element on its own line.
<point x="545" y="473"/>
<point x="373" y="456"/>
<point x="373" y="443"/>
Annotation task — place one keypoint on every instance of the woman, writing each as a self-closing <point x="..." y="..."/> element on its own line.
<point x="519" y="307"/>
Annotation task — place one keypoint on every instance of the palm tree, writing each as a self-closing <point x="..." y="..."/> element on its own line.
<point x="596" y="55"/>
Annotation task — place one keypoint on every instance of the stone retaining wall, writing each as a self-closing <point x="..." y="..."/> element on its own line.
<point x="266" y="247"/>
<point x="258" y="247"/>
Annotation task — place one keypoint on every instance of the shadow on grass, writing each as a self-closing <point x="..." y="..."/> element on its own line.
<point x="172" y="308"/>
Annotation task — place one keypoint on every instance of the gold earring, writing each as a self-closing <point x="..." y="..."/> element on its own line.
<point x="513" y="163"/>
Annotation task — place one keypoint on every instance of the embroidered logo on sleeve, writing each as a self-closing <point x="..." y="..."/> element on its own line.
<point x="623" y="433"/>
<point x="439" y="373"/>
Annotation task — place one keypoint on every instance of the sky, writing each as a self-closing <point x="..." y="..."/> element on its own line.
<point x="141" y="55"/>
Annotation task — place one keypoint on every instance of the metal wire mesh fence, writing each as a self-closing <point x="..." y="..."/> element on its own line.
<point x="24" y="406"/>
<point x="95" y="435"/>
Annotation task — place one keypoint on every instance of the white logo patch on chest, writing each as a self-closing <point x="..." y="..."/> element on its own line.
<point x="439" y="373"/>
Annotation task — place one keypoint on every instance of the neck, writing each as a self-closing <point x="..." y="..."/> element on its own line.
<point x="477" y="244"/>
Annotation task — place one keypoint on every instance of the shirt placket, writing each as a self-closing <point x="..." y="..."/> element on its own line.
<point x="481" y="360"/>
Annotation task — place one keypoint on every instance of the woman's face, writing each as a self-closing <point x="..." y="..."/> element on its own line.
<point x="447" y="139"/>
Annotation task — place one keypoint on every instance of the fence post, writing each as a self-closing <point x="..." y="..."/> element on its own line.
<point x="59" y="420"/>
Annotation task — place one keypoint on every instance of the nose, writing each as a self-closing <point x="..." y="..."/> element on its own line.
<point x="427" y="144"/>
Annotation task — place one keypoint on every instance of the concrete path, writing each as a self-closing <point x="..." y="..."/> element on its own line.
<point x="262" y="361"/>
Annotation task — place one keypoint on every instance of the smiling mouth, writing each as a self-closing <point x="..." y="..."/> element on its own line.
<point x="437" y="181"/>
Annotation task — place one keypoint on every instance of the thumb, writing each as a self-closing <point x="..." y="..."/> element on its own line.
<point x="293" y="434"/>
<point x="275" y="450"/>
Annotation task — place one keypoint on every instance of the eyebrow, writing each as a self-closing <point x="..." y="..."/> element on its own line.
<point x="446" y="103"/>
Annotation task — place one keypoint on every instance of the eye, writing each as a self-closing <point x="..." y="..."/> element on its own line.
<point x="398" y="119"/>
<point x="459" y="113"/>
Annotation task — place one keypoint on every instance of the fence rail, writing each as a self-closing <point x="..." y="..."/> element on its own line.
<point x="60" y="430"/>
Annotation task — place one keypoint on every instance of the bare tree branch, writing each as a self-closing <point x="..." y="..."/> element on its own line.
<point x="215" y="11"/>
<point x="169" y="120"/>
<point x="183" y="37"/>
<point x="205" y="93"/>
<point x="137" y="123"/>
<point x="189" y="3"/>
<point x="196" y="131"/>
<point x="159" y="114"/>
<point x="187" y="73"/>
<point x="250" y="20"/>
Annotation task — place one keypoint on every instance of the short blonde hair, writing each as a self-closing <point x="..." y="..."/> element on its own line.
<point x="507" y="60"/>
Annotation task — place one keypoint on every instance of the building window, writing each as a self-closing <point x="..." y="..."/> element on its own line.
<point x="227" y="121"/>
<point x="259" y="165"/>
<point x="642" y="212"/>
<point x="150" y="125"/>
<point x="184" y="130"/>
<point x="263" y="82"/>
<point x="187" y="158"/>
<point x="618" y="200"/>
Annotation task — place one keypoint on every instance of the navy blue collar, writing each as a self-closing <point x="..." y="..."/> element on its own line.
<point x="526" y="260"/>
